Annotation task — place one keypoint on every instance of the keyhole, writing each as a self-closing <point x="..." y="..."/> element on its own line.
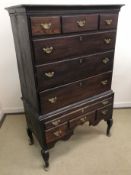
<point x="81" y="38"/>
<point x="81" y="60"/>
<point x="80" y="84"/>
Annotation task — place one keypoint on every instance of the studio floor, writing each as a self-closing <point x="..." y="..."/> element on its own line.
<point x="88" y="152"/>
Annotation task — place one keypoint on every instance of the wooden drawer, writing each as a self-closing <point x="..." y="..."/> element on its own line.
<point x="45" y="25"/>
<point x="51" y="75"/>
<point x="56" y="133"/>
<point x="105" y="112"/>
<point x="82" y="119"/>
<point x="108" y="21"/>
<point x="79" y="23"/>
<point x="59" y="48"/>
<point x="65" y="95"/>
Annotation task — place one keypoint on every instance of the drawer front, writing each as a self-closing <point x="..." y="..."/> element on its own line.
<point x="108" y="21"/>
<point x="56" y="133"/>
<point x="62" y="96"/>
<point x="61" y="118"/>
<point x="59" y="48"/>
<point x="45" y="25"/>
<point x="104" y="113"/>
<point x="51" y="75"/>
<point x="78" y="23"/>
<point x="82" y="119"/>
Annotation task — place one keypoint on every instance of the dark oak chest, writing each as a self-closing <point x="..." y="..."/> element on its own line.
<point x="65" y="61"/>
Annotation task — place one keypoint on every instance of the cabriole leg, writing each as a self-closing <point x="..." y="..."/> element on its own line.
<point x="29" y="133"/>
<point x="109" y="125"/>
<point x="45" y="155"/>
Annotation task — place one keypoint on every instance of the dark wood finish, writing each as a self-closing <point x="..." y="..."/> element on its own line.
<point x="108" y="21"/>
<point x="77" y="23"/>
<point x="45" y="155"/>
<point x="104" y="113"/>
<point x="82" y="119"/>
<point x="87" y="108"/>
<point x="63" y="72"/>
<point x="65" y="63"/>
<point x="74" y="92"/>
<point x="29" y="133"/>
<point x="56" y="133"/>
<point x="72" y="46"/>
<point x="45" y="25"/>
<point x="109" y="125"/>
<point x="24" y="59"/>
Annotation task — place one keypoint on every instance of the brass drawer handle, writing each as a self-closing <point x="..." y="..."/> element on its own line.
<point x="81" y="23"/>
<point x="105" y="60"/>
<point x="50" y="74"/>
<point x="104" y="112"/>
<point x="83" y="119"/>
<point x="104" y="82"/>
<point x="58" y="133"/>
<point x="56" y="122"/>
<point x="48" y="50"/>
<point x="52" y="100"/>
<point x="108" y="21"/>
<point x="105" y="102"/>
<point x="107" y="40"/>
<point x="46" y="26"/>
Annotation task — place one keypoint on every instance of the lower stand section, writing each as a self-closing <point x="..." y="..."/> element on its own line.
<point x="29" y="133"/>
<point x="109" y="125"/>
<point x="45" y="155"/>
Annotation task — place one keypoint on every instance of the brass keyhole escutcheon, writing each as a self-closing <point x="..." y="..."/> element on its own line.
<point x="80" y="84"/>
<point x="81" y="60"/>
<point x="81" y="38"/>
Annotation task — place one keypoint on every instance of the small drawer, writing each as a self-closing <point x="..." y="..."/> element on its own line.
<point x="56" y="133"/>
<point x="45" y="25"/>
<point x="105" y="112"/>
<point x="82" y="119"/>
<point x="100" y="104"/>
<point x="79" y="23"/>
<point x="108" y="21"/>
<point x="55" y="122"/>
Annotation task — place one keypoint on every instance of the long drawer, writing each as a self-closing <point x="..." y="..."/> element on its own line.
<point x="56" y="74"/>
<point x="62" y="96"/>
<point x="59" y="48"/>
